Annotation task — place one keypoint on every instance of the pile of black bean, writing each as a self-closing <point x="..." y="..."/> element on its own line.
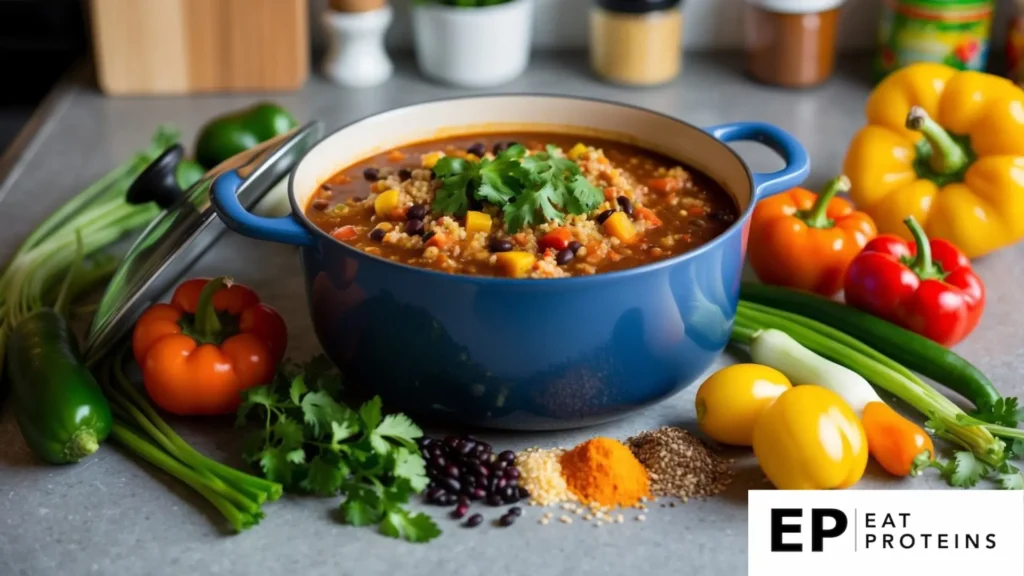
<point x="463" y="470"/>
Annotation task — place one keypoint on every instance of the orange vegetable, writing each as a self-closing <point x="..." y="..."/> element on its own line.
<point x="648" y="215"/>
<point x="611" y="193"/>
<point x="894" y="441"/>
<point x="558" y="239"/>
<point x="386" y="203"/>
<point x="665" y="185"/>
<point x="439" y="240"/>
<point x="195" y="364"/>
<point x="620" y="226"/>
<point x="345" y="233"/>
<point x="395" y="156"/>
<point x="477" y="222"/>
<point x="515" y="264"/>
<point x="805" y="241"/>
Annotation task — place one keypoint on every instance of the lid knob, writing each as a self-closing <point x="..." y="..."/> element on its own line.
<point x="158" y="182"/>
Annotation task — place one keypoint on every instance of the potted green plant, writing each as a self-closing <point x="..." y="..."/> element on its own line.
<point x="472" y="43"/>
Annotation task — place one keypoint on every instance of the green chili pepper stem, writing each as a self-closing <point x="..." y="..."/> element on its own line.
<point x="817" y="216"/>
<point x="947" y="156"/>
<point x="922" y="264"/>
<point x="207" y="325"/>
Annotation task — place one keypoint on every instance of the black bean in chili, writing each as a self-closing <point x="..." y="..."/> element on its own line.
<point x="478" y="149"/>
<point x="377" y="234"/>
<point x="414" y="227"/>
<point x="371" y="174"/>
<point x="564" y="256"/>
<point x="428" y="236"/>
<point x="574" y="246"/>
<point x="416" y="212"/>
<point x="320" y="204"/>
<point x="604" y="216"/>
<point x="626" y="204"/>
<point x="404" y="174"/>
<point x="499" y="244"/>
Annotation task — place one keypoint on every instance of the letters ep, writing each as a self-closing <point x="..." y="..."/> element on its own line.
<point x="819" y="533"/>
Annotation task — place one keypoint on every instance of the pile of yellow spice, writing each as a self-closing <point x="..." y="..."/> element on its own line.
<point x="603" y="475"/>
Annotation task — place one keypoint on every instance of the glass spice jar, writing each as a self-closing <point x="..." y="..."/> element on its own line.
<point x="636" y="42"/>
<point x="791" y="43"/>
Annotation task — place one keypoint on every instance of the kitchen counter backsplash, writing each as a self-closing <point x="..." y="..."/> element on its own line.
<point x="709" y="24"/>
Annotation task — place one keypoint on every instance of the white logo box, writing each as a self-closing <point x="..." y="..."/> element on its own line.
<point x="887" y="532"/>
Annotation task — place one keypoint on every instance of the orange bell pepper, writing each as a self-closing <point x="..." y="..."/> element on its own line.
<point x="806" y="241"/>
<point x="211" y="342"/>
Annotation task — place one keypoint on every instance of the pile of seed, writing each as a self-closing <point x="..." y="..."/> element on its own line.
<point x="680" y="464"/>
<point x="541" y="475"/>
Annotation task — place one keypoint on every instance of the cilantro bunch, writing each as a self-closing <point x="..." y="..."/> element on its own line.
<point x="312" y="443"/>
<point x="965" y="470"/>
<point x="530" y="189"/>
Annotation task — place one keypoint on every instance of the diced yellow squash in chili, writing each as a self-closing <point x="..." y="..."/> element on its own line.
<point x="385" y="203"/>
<point x="619" y="226"/>
<point x="577" y="151"/>
<point x="477" y="222"/>
<point x="429" y="160"/>
<point x="515" y="264"/>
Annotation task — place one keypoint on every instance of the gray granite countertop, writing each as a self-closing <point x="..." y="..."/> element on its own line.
<point x="111" y="515"/>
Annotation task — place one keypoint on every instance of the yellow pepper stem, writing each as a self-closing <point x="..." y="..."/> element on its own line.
<point x="947" y="156"/>
<point x="922" y="264"/>
<point x="817" y="216"/>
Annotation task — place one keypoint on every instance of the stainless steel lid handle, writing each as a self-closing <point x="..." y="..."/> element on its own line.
<point x="158" y="182"/>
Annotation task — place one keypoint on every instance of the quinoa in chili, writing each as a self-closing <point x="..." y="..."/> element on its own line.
<point x="526" y="205"/>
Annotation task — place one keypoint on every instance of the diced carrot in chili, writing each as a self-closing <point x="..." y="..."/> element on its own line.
<point x="345" y="233"/>
<point x="648" y="215"/>
<point x="515" y="264"/>
<point x="611" y="193"/>
<point x="619" y="226"/>
<point x="549" y="253"/>
<point x="665" y="185"/>
<point x="398" y="213"/>
<point x="520" y="239"/>
<point x="395" y="156"/>
<point x="439" y="240"/>
<point x="558" y="239"/>
<point x="696" y="211"/>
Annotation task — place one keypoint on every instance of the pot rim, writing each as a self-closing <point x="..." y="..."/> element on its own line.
<point x="737" y="225"/>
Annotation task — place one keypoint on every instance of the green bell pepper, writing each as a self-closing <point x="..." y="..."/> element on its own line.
<point x="225" y="136"/>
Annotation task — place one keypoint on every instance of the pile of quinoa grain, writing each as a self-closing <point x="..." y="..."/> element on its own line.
<point x="680" y="464"/>
<point x="541" y="474"/>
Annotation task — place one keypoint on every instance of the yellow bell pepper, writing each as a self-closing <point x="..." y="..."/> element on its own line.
<point x="810" y="439"/>
<point x="385" y="203"/>
<point x="947" y="148"/>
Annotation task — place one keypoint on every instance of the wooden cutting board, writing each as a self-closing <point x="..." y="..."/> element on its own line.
<point x="188" y="46"/>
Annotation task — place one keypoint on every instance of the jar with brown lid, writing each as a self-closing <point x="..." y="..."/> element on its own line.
<point x="636" y="42"/>
<point x="791" y="43"/>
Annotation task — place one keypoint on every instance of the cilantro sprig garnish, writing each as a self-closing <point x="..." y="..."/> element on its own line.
<point x="529" y="189"/>
<point x="312" y="443"/>
<point x="965" y="469"/>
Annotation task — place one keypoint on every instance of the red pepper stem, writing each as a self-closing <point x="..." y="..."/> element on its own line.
<point x="947" y="157"/>
<point x="207" y="324"/>
<point x="817" y="216"/>
<point x="922" y="264"/>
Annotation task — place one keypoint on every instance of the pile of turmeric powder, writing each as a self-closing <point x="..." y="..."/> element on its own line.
<point x="605" y="471"/>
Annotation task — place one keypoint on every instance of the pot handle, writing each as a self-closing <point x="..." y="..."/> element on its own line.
<point x="798" y="165"/>
<point x="224" y="198"/>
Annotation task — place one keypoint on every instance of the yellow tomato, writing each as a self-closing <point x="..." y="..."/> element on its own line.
<point x="810" y="439"/>
<point x="729" y="402"/>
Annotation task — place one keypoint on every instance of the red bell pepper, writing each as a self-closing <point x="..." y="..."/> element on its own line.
<point x="925" y="286"/>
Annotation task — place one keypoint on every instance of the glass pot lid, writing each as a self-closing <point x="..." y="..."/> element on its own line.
<point x="185" y="229"/>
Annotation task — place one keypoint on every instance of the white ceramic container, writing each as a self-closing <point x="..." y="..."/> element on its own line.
<point x="357" y="57"/>
<point x="473" y="47"/>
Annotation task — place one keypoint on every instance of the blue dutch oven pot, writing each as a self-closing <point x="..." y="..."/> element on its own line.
<point x="521" y="353"/>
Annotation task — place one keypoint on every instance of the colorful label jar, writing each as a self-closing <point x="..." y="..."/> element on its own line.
<point x="953" y="32"/>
